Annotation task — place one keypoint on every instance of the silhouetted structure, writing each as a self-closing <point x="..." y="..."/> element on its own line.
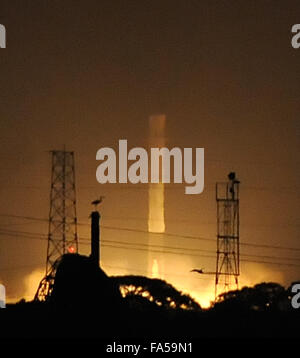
<point x="95" y="237"/>
<point x="62" y="233"/>
<point x="228" y="251"/>
<point x="62" y="236"/>
<point x="82" y="286"/>
<point x="86" y="303"/>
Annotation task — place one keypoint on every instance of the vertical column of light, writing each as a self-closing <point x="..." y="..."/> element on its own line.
<point x="156" y="209"/>
<point x="156" y="205"/>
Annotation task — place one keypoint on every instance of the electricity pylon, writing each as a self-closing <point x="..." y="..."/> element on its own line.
<point x="62" y="231"/>
<point x="228" y="224"/>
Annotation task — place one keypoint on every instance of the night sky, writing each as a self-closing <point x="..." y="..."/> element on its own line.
<point x="85" y="74"/>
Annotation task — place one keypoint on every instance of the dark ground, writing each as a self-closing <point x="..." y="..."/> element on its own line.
<point x="86" y="304"/>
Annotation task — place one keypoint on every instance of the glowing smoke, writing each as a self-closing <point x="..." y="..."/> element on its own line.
<point x="156" y="207"/>
<point x="32" y="282"/>
<point x="155" y="270"/>
<point x="156" y="193"/>
<point x="156" y="214"/>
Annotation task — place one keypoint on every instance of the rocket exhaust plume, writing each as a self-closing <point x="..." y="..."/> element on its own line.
<point x="155" y="270"/>
<point x="156" y="193"/>
<point x="156" y="209"/>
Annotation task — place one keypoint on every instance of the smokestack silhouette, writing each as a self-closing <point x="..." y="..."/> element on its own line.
<point x="95" y="237"/>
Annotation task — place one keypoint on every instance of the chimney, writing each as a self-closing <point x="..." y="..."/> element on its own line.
<point x="95" y="237"/>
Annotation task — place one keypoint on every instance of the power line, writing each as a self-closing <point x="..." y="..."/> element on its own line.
<point x="191" y="249"/>
<point x="165" y="234"/>
<point x="206" y="256"/>
<point x="23" y="217"/>
<point x="43" y="237"/>
<point x="109" y="217"/>
<point x="31" y="237"/>
<point x="199" y="238"/>
<point x="180" y="254"/>
<point x="195" y="221"/>
<point x="172" y="186"/>
<point x="162" y="247"/>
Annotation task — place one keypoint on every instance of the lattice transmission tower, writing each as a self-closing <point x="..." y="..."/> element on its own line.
<point x="62" y="230"/>
<point x="228" y="237"/>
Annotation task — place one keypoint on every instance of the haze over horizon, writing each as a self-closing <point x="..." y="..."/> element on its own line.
<point x="84" y="75"/>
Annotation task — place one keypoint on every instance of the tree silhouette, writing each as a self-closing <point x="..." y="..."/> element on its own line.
<point x="156" y="291"/>
<point x="262" y="297"/>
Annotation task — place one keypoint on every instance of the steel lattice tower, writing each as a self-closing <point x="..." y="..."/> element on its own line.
<point x="228" y="250"/>
<point x="62" y="232"/>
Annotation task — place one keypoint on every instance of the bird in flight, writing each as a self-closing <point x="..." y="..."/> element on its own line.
<point x="197" y="270"/>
